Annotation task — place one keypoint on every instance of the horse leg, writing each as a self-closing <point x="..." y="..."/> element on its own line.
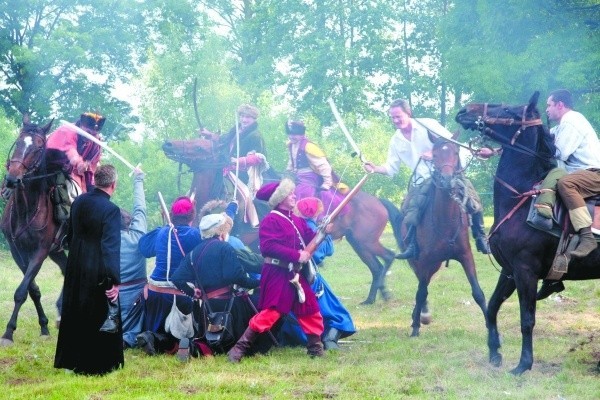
<point x="61" y="260"/>
<point x="526" y="284"/>
<point x="420" y="305"/>
<point x="30" y="270"/>
<point x="468" y="265"/>
<point x="378" y="271"/>
<point x="504" y="288"/>
<point x="36" y="297"/>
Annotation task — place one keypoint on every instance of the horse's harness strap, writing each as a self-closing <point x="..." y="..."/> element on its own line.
<point x="524" y="197"/>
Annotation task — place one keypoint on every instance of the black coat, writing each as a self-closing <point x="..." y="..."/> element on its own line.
<point x="92" y="267"/>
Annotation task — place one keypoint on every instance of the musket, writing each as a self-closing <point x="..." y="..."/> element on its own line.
<point x="340" y="122"/>
<point x="100" y="143"/>
<point x="320" y="236"/>
<point x="195" y="98"/>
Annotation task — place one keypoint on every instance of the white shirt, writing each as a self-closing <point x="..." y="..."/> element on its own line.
<point x="577" y="145"/>
<point x="408" y="152"/>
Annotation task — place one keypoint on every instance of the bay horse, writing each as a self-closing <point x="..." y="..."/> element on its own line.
<point x="362" y="224"/>
<point x="442" y="232"/>
<point x="524" y="253"/>
<point x="27" y="222"/>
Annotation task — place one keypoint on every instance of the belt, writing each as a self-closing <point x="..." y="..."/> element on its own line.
<point x="274" y="261"/>
<point x="134" y="282"/>
<point x="281" y="263"/>
<point x="161" y="289"/>
<point x="220" y="293"/>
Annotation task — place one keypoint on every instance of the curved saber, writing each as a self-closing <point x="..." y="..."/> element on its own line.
<point x="86" y="135"/>
<point x="340" y="122"/>
<point x="195" y="98"/>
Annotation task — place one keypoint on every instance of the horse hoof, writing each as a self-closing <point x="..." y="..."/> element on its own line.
<point x="386" y="296"/>
<point x="367" y="302"/>
<point x="426" y="318"/>
<point x="6" y="342"/>
<point x="415" y="333"/>
<point x="518" y="371"/>
<point x="496" y="360"/>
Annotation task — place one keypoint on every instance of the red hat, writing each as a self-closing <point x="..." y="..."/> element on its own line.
<point x="275" y="192"/>
<point x="295" y="128"/>
<point x="309" y="207"/>
<point x="182" y="205"/>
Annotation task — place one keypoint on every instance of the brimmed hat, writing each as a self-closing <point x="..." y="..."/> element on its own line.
<point x="247" y="109"/>
<point x="275" y="192"/>
<point x="309" y="207"/>
<point x="295" y="128"/>
<point x="182" y="206"/>
<point x="92" y="120"/>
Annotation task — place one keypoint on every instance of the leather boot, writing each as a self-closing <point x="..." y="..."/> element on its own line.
<point x="314" y="346"/>
<point x="145" y="341"/>
<point x="242" y="346"/>
<point x="478" y="230"/>
<point x="411" y="247"/>
<point x="548" y="287"/>
<point x="587" y="243"/>
<point x="330" y="338"/>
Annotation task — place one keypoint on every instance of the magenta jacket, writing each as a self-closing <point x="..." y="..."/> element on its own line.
<point x="279" y="240"/>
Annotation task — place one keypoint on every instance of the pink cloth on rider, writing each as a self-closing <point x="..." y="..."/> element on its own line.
<point x="65" y="139"/>
<point x="306" y="186"/>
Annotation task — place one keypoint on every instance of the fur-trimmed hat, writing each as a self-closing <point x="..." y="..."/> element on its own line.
<point x="247" y="109"/>
<point x="295" y="128"/>
<point x="275" y="192"/>
<point x="91" y="120"/>
<point x="309" y="207"/>
<point x="182" y="206"/>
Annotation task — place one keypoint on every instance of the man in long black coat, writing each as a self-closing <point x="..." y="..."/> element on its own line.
<point x="92" y="277"/>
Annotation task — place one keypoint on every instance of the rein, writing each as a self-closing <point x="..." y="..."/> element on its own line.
<point x="484" y="122"/>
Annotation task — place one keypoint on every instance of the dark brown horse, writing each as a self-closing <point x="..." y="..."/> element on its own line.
<point x="27" y="222"/>
<point x="442" y="233"/>
<point x="362" y="224"/>
<point x="525" y="253"/>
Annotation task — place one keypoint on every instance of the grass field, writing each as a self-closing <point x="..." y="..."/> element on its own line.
<point x="381" y="361"/>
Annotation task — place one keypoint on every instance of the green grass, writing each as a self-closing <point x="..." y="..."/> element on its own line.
<point x="381" y="361"/>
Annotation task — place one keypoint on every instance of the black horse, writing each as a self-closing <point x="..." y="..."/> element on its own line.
<point x="525" y="254"/>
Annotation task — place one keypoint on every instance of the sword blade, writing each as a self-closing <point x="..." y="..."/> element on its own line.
<point x="340" y="122"/>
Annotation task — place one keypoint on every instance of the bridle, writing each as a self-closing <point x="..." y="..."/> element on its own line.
<point x="485" y="122"/>
<point x="39" y="155"/>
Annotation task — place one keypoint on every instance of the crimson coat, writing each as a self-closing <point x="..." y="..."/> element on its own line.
<point x="279" y="239"/>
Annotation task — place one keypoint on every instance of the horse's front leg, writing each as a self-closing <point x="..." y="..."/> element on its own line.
<point x="504" y="288"/>
<point x="526" y="289"/>
<point x="420" y="305"/>
<point x="468" y="265"/>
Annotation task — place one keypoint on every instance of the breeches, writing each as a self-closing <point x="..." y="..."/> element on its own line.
<point x="265" y="319"/>
<point x="576" y="186"/>
<point x="417" y="197"/>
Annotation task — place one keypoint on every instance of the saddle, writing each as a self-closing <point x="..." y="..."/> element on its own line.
<point x="562" y="228"/>
<point x="561" y="220"/>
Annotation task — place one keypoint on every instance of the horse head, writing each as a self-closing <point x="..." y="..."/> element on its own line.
<point x="515" y="127"/>
<point x="28" y="152"/>
<point x="191" y="152"/>
<point x="446" y="162"/>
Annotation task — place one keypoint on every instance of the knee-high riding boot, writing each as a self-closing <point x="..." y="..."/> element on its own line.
<point x="478" y="230"/>
<point x="315" y="346"/>
<point x="411" y="247"/>
<point x="242" y="346"/>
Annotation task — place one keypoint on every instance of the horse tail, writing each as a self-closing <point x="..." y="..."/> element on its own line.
<point x="395" y="217"/>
